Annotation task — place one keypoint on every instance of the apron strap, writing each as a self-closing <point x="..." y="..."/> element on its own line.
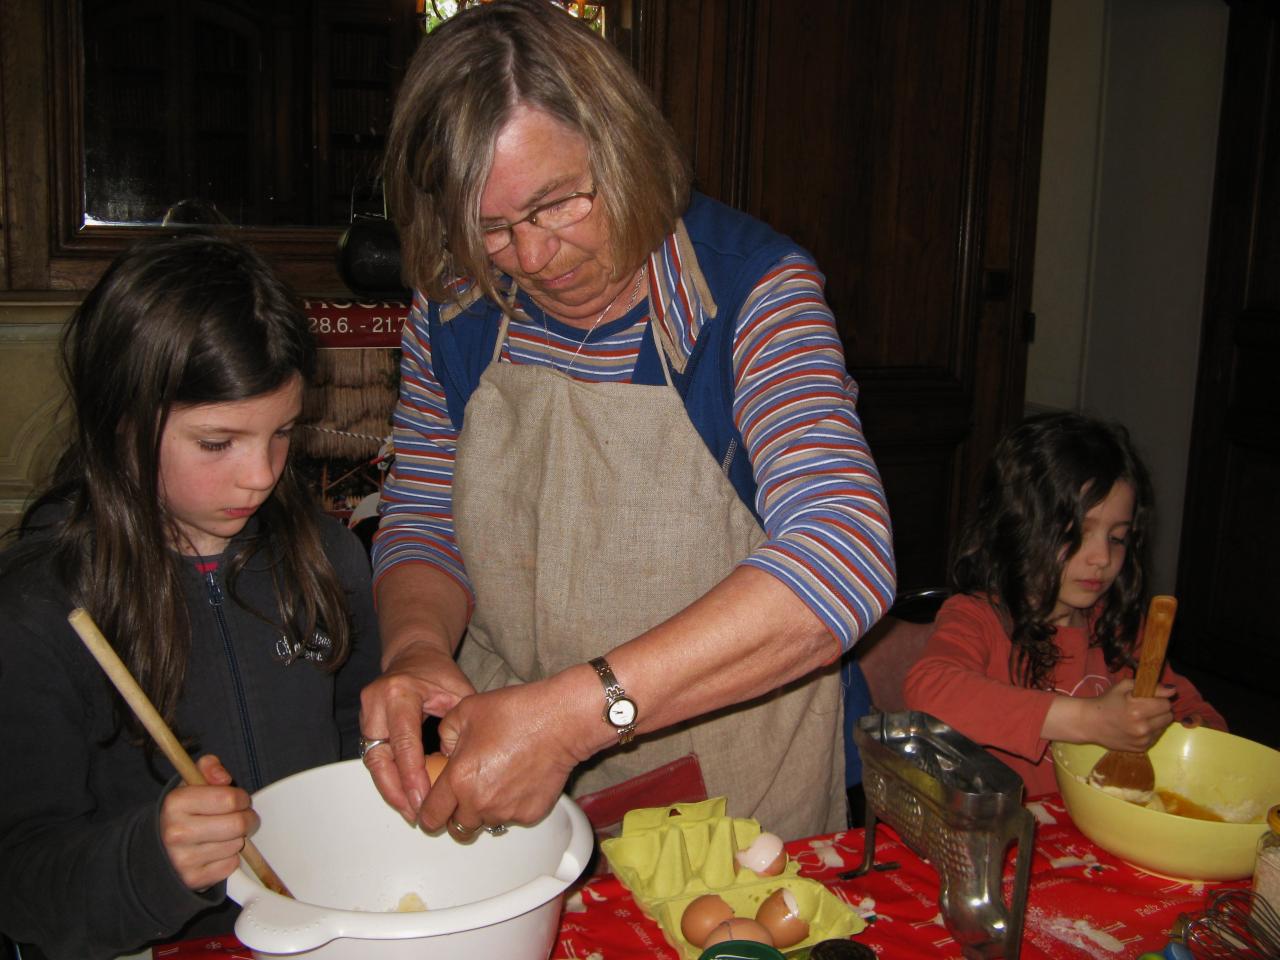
<point x="512" y="290"/>
<point x="502" y="337"/>
<point x="662" y="354"/>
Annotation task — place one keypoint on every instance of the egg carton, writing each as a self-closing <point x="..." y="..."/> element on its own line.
<point x="669" y="856"/>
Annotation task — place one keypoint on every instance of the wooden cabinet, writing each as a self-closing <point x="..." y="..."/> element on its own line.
<point x="275" y="112"/>
<point x="176" y="106"/>
<point x="898" y="140"/>
<point x="359" y="54"/>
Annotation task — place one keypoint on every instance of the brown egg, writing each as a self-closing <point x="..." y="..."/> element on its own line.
<point x="765" y="857"/>
<point x="780" y="915"/>
<point x="702" y="915"/>
<point x="739" y="928"/>
<point x="435" y="766"/>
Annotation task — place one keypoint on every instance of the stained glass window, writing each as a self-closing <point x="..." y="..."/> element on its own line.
<point x="432" y="13"/>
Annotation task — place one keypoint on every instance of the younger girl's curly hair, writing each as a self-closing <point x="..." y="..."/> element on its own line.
<point x="1044" y="476"/>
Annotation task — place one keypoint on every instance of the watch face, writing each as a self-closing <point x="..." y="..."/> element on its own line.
<point x="622" y="712"/>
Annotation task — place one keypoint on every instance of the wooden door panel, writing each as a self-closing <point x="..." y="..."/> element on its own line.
<point x="871" y="176"/>
<point x="1226" y="593"/>
<point x="898" y="141"/>
<point x="1229" y="568"/>
<point x="1229" y="565"/>
<point x="1248" y="570"/>
<point x="919" y="480"/>
<point x="695" y="59"/>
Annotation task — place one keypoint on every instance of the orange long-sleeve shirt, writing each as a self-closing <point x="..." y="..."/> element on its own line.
<point x="963" y="679"/>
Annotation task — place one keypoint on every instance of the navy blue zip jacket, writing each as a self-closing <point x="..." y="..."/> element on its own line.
<point x="83" y="874"/>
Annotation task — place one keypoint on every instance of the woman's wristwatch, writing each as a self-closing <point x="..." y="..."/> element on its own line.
<point x="619" y="709"/>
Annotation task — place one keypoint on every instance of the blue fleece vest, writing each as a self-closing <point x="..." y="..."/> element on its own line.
<point x="733" y="252"/>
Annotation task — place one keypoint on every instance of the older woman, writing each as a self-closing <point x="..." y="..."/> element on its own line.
<point x="630" y="489"/>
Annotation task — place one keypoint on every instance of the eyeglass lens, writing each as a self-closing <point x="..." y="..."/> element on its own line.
<point x="555" y="215"/>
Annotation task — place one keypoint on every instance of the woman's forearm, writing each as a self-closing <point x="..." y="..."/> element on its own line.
<point x="419" y="604"/>
<point x="746" y="637"/>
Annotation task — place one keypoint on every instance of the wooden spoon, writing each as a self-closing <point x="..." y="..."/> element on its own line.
<point x="1128" y="774"/>
<point x="146" y="712"/>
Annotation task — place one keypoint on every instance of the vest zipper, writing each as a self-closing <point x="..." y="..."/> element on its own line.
<point x="242" y="706"/>
<point x="728" y="456"/>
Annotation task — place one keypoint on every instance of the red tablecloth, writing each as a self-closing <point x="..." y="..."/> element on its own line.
<point x="1082" y="903"/>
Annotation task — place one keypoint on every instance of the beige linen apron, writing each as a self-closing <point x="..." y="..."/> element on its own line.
<point x="588" y="513"/>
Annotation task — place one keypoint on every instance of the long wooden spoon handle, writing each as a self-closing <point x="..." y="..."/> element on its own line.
<point x="1155" y="640"/>
<point x="150" y="718"/>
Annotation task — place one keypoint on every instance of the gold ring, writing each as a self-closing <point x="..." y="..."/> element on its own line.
<point x="460" y="833"/>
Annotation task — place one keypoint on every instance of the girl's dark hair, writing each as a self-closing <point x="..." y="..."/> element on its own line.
<point x="1044" y="476"/>
<point x="177" y="320"/>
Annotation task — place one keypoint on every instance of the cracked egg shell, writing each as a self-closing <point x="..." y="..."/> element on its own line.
<point x="435" y="766"/>
<point x="765" y="857"/>
<point x="739" y="928"/>
<point x="779" y="913"/>
<point x="702" y="915"/>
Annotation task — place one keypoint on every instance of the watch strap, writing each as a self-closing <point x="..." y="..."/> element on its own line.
<point x="613" y="692"/>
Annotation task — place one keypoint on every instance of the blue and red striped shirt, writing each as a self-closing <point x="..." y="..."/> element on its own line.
<point x="818" y="492"/>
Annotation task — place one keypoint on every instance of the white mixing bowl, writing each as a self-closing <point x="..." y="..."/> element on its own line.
<point x="350" y="860"/>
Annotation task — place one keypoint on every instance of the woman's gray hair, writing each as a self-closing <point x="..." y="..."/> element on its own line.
<point x="460" y="90"/>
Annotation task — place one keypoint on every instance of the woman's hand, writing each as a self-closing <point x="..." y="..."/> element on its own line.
<point x="204" y="828"/>
<point x="1118" y="720"/>
<point x="422" y="613"/>
<point x="420" y="680"/>
<point x="510" y="751"/>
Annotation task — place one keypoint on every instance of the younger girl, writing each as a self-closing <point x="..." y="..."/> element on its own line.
<point x="1038" y="642"/>
<point x="173" y="517"/>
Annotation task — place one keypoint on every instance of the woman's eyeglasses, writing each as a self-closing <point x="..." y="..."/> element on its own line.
<point x="555" y="215"/>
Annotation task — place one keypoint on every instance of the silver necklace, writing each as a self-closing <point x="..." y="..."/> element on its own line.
<point x="631" y="302"/>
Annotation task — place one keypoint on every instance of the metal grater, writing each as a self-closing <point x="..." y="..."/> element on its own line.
<point x="957" y="807"/>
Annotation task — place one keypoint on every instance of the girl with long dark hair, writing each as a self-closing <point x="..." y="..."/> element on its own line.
<point x="174" y="518"/>
<point x="1038" y="642"/>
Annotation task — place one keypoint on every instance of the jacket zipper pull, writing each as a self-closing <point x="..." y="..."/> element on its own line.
<point x="215" y="591"/>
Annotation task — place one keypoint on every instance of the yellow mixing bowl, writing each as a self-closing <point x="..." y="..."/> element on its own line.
<point x="1231" y="776"/>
